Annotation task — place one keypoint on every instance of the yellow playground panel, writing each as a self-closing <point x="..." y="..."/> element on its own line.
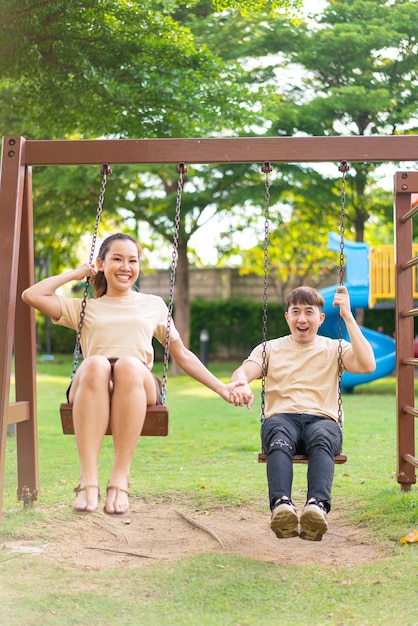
<point x="382" y="273"/>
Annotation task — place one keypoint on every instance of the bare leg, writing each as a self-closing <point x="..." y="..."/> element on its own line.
<point x="90" y="395"/>
<point x="134" y="388"/>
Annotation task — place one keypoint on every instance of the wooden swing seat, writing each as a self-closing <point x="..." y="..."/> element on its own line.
<point x="300" y="458"/>
<point x="155" y="425"/>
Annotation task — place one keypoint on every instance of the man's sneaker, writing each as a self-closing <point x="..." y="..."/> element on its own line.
<point x="313" y="521"/>
<point x="284" y="519"/>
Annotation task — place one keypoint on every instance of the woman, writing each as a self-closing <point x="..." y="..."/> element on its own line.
<point x="114" y="381"/>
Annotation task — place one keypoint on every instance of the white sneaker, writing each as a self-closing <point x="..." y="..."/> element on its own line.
<point x="284" y="519"/>
<point x="313" y="521"/>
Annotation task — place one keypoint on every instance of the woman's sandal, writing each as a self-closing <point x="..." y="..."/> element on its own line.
<point x="86" y="488"/>
<point x="116" y="513"/>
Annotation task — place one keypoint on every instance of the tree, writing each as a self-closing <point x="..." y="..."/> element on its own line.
<point x="246" y="6"/>
<point x="65" y="201"/>
<point x="95" y="68"/>
<point x="358" y="75"/>
<point x="352" y="71"/>
<point x="197" y="73"/>
<point x="127" y="69"/>
<point x="297" y="252"/>
<point x="215" y="189"/>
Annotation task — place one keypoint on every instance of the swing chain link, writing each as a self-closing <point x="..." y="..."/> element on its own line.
<point x="105" y="171"/>
<point x="344" y="168"/>
<point x="182" y="171"/>
<point x="266" y="169"/>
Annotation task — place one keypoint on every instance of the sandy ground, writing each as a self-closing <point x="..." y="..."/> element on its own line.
<point x="160" y="532"/>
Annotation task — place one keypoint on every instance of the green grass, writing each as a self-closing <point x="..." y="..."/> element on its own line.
<point x="209" y="460"/>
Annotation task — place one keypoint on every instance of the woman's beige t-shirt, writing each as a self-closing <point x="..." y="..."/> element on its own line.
<point x="120" y="326"/>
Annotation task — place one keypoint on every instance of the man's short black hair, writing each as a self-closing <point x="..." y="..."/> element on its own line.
<point x="304" y="295"/>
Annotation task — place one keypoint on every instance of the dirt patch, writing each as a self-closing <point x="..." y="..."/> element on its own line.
<point x="156" y="532"/>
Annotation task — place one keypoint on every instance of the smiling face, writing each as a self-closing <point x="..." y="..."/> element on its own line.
<point x="304" y="313"/>
<point x="303" y="321"/>
<point x="120" y="266"/>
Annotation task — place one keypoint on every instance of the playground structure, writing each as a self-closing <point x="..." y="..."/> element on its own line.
<point x="382" y="274"/>
<point x="17" y="321"/>
<point x="358" y="269"/>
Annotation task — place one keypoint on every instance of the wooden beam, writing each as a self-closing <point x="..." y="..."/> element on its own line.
<point x="17" y="412"/>
<point x="223" y="150"/>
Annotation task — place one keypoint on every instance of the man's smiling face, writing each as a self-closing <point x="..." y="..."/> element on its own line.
<point x="303" y="321"/>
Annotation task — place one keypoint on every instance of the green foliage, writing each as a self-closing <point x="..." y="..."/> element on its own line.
<point x="380" y="318"/>
<point x="361" y="85"/>
<point x="126" y="69"/>
<point x="235" y="326"/>
<point x="134" y="69"/>
<point x="105" y="85"/>
<point x="61" y="339"/>
<point x="65" y="202"/>
<point x="358" y="76"/>
<point x="298" y="243"/>
<point x="246" y="6"/>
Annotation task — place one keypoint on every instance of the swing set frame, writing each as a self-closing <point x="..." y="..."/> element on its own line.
<point x="17" y="321"/>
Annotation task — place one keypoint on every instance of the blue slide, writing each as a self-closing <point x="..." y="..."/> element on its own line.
<point x="357" y="283"/>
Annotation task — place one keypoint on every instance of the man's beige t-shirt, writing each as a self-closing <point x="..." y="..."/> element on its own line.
<point x="301" y="378"/>
<point x="120" y="326"/>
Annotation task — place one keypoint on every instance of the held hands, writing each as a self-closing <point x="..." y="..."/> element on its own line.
<point x="239" y="393"/>
<point x="342" y="299"/>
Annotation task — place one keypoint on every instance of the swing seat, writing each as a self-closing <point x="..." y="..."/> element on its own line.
<point x="155" y="424"/>
<point x="300" y="458"/>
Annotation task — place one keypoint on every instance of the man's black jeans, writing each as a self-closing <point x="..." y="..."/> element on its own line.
<point x="319" y="438"/>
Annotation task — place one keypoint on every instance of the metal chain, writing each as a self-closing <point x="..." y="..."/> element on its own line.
<point x="105" y="172"/>
<point x="344" y="168"/>
<point x="266" y="169"/>
<point x="182" y="170"/>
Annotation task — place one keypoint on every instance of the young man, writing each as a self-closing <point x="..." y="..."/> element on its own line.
<point x="301" y="406"/>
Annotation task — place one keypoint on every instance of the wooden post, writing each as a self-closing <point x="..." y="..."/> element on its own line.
<point x="406" y="183"/>
<point x="25" y="360"/>
<point x="11" y="201"/>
